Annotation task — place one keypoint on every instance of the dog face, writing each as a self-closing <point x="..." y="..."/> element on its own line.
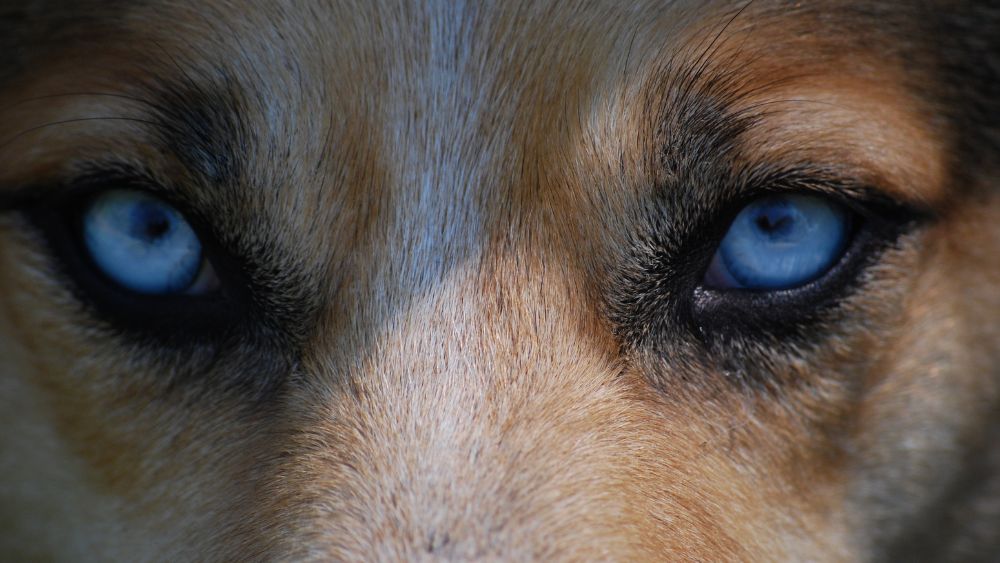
<point x="459" y="286"/>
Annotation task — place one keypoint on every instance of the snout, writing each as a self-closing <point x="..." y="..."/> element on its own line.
<point x="474" y="429"/>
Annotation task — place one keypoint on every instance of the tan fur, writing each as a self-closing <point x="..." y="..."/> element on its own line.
<point x="455" y="185"/>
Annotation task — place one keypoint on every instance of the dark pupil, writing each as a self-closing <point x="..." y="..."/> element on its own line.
<point x="775" y="222"/>
<point x="150" y="223"/>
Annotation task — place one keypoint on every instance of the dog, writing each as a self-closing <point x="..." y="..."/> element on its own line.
<point x="449" y="280"/>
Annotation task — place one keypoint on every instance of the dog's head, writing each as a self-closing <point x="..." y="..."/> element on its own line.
<point x="709" y="281"/>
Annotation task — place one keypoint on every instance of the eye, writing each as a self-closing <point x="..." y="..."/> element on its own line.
<point x="780" y="242"/>
<point x="785" y="263"/>
<point x="143" y="269"/>
<point x="145" y="245"/>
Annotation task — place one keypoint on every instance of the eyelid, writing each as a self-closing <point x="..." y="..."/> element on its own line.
<point x="85" y="179"/>
<point x="881" y="220"/>
<point x="209" y="310"/>
<point x="95" y="177"/>
<point x="863" y="197"/>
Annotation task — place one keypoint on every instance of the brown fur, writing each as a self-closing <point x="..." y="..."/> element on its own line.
<point x="448" y="213"/>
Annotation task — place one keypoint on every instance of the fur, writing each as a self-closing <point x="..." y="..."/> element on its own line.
<point x="465" y="238"/>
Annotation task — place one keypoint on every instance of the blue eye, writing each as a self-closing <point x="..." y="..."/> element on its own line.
<point x="144" y="244"/>
<point x="780" y="242"/>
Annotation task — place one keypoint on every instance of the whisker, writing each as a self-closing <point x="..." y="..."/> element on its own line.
<point x="709" y="53"/>
<point x="17" y="136"/>
<point x="127" y="97"/>
<point x="695" y="71"/>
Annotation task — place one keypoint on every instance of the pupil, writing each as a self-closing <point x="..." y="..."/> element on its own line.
<point x="157" y="228"/>
<point x="770" y="225"/>
<point x="152" y="223"/>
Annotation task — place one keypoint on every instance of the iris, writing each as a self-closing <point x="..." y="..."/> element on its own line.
<point x="780" y="242"/>
<point x="142" y="243"/>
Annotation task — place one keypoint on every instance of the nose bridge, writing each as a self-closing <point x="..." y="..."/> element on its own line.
<point x="463" y="429"/>
<point x="463" y="399"/>
<point x="461" y="362"/>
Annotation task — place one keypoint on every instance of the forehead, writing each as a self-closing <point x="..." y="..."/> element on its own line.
<point x="404" y="67"/>
<point x="436" y="123"/>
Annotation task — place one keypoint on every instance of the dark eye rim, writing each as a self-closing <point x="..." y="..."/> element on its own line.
<point x="877" y="223"/>
<point x="660" y="288"/>
<point x="719" y="312"/>
<point x="167" y="319"/>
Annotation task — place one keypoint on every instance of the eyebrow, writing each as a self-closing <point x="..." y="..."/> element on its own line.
<point x="201" y="124"/>
<point x="204" y="125"/>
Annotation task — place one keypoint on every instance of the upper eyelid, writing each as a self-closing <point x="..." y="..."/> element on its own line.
<point x="88" y="177"/>
<point x="696" y="223"/>
<point x="93" y="177"/>
<point x="859" y="195"/>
